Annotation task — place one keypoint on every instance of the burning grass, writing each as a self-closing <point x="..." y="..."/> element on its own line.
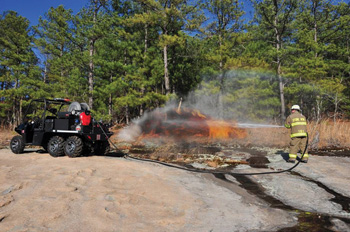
<point x="206" y="131"/>
<point x="203" y="150"/>
<point x="181" y="125"/>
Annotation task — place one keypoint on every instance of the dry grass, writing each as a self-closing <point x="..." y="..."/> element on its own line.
<point x="270" y="137"/>
<point x="5" y="136"/>
<point x="325" y="134"/>
<point x="329" y="134"/>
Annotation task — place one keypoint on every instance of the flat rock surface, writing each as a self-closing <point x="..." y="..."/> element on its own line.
<point x="101" y="193"/>
<point x="334" y="172"/>
<point x="41" y="193"/>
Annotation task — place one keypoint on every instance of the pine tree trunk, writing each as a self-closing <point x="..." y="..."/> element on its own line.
<point x="96" y="8"/>
<point x="110" y="103"/>
<point x="279" y="69"/>
<point x="166" y="71"/>
<point x="281" y="87"/>
<point x="15" y="107"/>
<point x="220" y="52"/>
<point x="347" y="49"/>
<point x="91" y="74"/>
<point x="20" y="110"/>
<point x="335" y="108"/>
<point x="315" y="24"/>
<point x="221" y="76"/>
<point x="45" y="72"/>
<point x="127" y="115"/>
<point x="141" y="106"/>
<point x="13" y="121"/>
<point x="144" y="58"/>
<point x="146" y="41"/>
<point x="61" y="55"/>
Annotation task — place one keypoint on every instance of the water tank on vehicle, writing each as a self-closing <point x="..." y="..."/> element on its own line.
<point x="85" y="118"/>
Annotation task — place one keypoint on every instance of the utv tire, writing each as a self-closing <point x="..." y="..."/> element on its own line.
<point x="55" y="146"/>
<point x="17" y="144"/>
<point x="101" y="148"/>
<point x="73" y="146"/>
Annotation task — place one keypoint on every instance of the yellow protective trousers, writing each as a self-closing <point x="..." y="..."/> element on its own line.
<point x="298" y="144"/>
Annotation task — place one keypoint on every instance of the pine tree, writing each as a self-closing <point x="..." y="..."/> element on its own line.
<point x="54" y="39"/>
<point x="226" y="24"/>
<point x="170" y="16"/>
<point x="18" y="72"/>
<point x="90" y="27"/>
<point x="274" y="18"/>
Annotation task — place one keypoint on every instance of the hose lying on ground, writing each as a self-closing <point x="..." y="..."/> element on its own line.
<point x="208" y="171"/>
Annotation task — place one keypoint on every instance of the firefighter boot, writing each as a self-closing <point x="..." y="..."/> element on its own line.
<point x="292" y="158"/>
<point x="305" y="158"/>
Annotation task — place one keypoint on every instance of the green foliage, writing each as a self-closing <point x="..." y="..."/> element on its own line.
<point x="19" y="73"/>
<point x="120" y="54"/>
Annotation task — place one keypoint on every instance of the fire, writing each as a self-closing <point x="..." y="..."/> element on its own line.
<point x="185" y="122"/>
<point x="223" y="130"/>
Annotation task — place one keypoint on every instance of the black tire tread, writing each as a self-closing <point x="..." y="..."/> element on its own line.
<point x="20" y="148"/>
<point x="79" y="147"/>
<point x="58" y="152"/>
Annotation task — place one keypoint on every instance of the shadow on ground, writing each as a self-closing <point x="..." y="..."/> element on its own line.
<point x="284" y="155"/>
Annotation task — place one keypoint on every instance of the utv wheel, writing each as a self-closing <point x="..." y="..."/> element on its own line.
<point x="55" y="146"/>
<point x="17" y="144"/>
<point x="73" y="146"/>
<point x="101" y="148"/>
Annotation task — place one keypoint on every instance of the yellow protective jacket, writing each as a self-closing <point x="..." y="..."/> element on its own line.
<point x="297" y="123"/>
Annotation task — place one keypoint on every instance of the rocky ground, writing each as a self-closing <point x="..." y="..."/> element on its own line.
<point x="110" y="193"/>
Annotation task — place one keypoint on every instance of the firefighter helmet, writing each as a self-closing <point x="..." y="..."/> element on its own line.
<point x="295" y="107"/>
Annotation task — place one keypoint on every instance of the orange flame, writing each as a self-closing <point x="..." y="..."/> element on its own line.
<point x="189" y="122"/>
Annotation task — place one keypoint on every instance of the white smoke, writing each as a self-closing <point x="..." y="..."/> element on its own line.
<point x="130" y="133"/>
<point x="206" y="98"/>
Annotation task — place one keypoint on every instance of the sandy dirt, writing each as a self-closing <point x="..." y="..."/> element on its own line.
<point x="101" y="193"/>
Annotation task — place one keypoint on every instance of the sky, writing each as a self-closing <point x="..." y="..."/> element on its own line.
<point x="33" y="9"/>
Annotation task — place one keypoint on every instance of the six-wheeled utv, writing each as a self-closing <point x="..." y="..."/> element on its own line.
<point x="61" y="127"/>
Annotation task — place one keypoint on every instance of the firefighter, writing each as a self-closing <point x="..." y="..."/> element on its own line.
<point x="296" y="122"/>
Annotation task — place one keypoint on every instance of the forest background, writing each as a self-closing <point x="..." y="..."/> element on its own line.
<point x="125" y="58"/>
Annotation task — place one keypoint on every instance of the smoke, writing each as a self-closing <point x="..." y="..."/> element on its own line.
<point x="136" y="128"/>
<point x="242" y="96"/>
<point x="130" y="133"/>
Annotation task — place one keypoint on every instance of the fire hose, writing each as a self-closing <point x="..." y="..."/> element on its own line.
<point x="126" y="156"/>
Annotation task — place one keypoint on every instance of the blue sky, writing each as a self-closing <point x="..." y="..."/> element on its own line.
<point x="33" y="9"/>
